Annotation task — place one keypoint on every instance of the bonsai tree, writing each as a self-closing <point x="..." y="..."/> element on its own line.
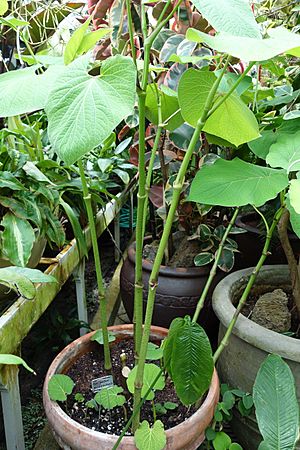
<point x="86" y="100"/>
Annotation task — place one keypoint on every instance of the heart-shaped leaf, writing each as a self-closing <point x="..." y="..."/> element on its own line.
<point x="151" y="371"/>
<point x="236" y="183"/>
<point x="111" y="397"/>
<point x="147" y="438"/>
<point x="279" y="41"/>
<point x="231" y="16"/>
<point x="83" y="109"/>
<point x="59" y="387"/>
<point x="285" y="152"/>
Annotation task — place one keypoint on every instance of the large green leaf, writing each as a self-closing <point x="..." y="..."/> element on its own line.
<point x="189" y="358"/>
<point x="231" y="16"/>
<point x="236" y="183"/>
<point x="23" y="91"/>
<point x="193" y="89"/>
<point x="233" y="121"/>
<point x="246" y="48"/>
<point x="147" y="438"/>
<point x="14" y="360"/>
<point x="169" y="105"/>
<point x="83" y="109"/>
<point x="261" y="146"/>
<point x="276" y="405"/>
<point x="285" y="152"/>
<point x="151" y="371"/>
<point x="294" y="195"/>
<point x="59" y="387"/>
<point x="17" y="239"/>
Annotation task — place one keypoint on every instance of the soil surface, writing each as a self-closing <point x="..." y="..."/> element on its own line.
<point x="90" y="366"/>
<point x="258" y="291"/>
<point x="185" y="251"/>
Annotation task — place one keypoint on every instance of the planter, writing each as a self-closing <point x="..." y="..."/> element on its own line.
<point x="177" y="294"/>
<point x="250" y="343"/>
<point x="250" y="244"/>
<point x="71" y="435"/>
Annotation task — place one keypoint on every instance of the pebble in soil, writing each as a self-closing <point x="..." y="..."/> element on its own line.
<point x="90" y="366"/>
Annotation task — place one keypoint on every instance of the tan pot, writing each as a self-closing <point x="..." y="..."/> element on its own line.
<point x="71" y="435"/>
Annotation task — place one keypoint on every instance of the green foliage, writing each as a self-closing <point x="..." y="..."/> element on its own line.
<point x="98" y="337"/>
<point x="21" y="280"/>
<point x="78" y="96"/>
<point x="261" y="146"/>
<point x="111" y="397"/>
<point x="151" y="371"/>
<point x="79" y="397"/>
<point x="233" y="17"/>
<point x="3" y="7"/>
<point x="14" y="360"/>
<point x="188" y="359"/>
<point x="147" y="438"/>
<point x="279" y="41"/>
<point x="165" y="407"/>
<point x="59" y="387"/>
<point x="18" y="238"/>
<point x="154" y="351"/>
<point x="276" y="405"/>
<point x="236" y="183"/>
<point x="23" y="91"/>
<point x="285" y="152"/>
<point x="169" y="105"/>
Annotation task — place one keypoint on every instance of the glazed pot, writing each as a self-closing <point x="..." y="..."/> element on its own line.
<point x="250" y="343"/>
<point x="71" y="435"/>
<point x="251" y="244"/>
<point x="177" y="294"/>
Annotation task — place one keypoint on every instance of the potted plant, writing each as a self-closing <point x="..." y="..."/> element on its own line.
<point x="206" y="99"/>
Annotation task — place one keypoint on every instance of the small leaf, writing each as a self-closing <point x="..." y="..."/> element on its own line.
<point x="34" y="275"/>
<point x="160" y="409"/>
<point x="222" y="441"/>
<point x="202" y="259"/>
<point x="98" y="337"/>
<point x="147" y="438"/>
<point x="79" y="397"/>
<point x="235" y="446"/>
<point x="228" y="400"/>
<point x="151" y="371"/>
<point x="170" y="405"/>
<point x="59" y="387"/>
<point x="17" y="239"/>
<point x="210" y="434"/>
<point x="226" y="261"/>
<point x="247" y="401"/>
<point x="3" y="7"/>
<point x="74" y="42"/>
<point x="35" y="173"/>
<point x="15" y="360"/>
<point x="109" y="398"/>
<point x="154" y="351"/>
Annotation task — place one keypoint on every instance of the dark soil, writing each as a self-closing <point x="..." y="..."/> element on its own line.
<point x="90" y="366"/>
<point x="184" y="251"/>
<point x="263" y="289"/>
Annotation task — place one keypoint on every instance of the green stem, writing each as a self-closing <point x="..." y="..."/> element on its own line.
<point x="160" y="26"/>
<point x="131" y="31"/>
<point x="135" y="411"/>
<point x="249" y="285"/>
<point x="231" y="90"/>
<point x="177" y="188"/>
<point x="213" y="270"/>
<point x="101" y="292"/>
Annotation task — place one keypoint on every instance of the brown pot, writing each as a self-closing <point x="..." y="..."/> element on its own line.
<point x="177" y="294"/>
<point x="71" y="435"/>
<point x="251" y="244"/>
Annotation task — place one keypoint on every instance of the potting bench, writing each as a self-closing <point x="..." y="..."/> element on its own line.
<point x="18" y="320"/>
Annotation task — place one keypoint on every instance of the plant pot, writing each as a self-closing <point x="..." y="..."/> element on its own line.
<point x="177" y="294"/>
<point x="71" y="435"/>
<point x="36" y="254"/>
<point x="250" y="244"/>
<point x="250" y="343"/>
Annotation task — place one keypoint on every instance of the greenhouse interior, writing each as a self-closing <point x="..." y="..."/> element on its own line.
<point x="150" y="224"/>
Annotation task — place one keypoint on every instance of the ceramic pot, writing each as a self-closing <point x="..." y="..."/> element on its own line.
<point x="177" y="294"/>
<point x="71" y="435"/>
<point x="250" y="343"/>
<point x="251" y="244"/>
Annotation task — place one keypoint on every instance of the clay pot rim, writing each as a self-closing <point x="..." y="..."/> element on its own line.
<point x="249" y="331"/>
<point x="176" y="272"/>
<point x="62" y="416"/>
<point x="241" y="222"/>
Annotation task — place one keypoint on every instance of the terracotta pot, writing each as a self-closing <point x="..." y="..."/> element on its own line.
<point x="250" y="244"/>
<point x="252" y="343"/>
<point x="71" y="435"/>
<point x="177" y="294"/>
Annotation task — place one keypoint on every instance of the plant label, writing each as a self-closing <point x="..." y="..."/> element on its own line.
<point x="101" y="383"/>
